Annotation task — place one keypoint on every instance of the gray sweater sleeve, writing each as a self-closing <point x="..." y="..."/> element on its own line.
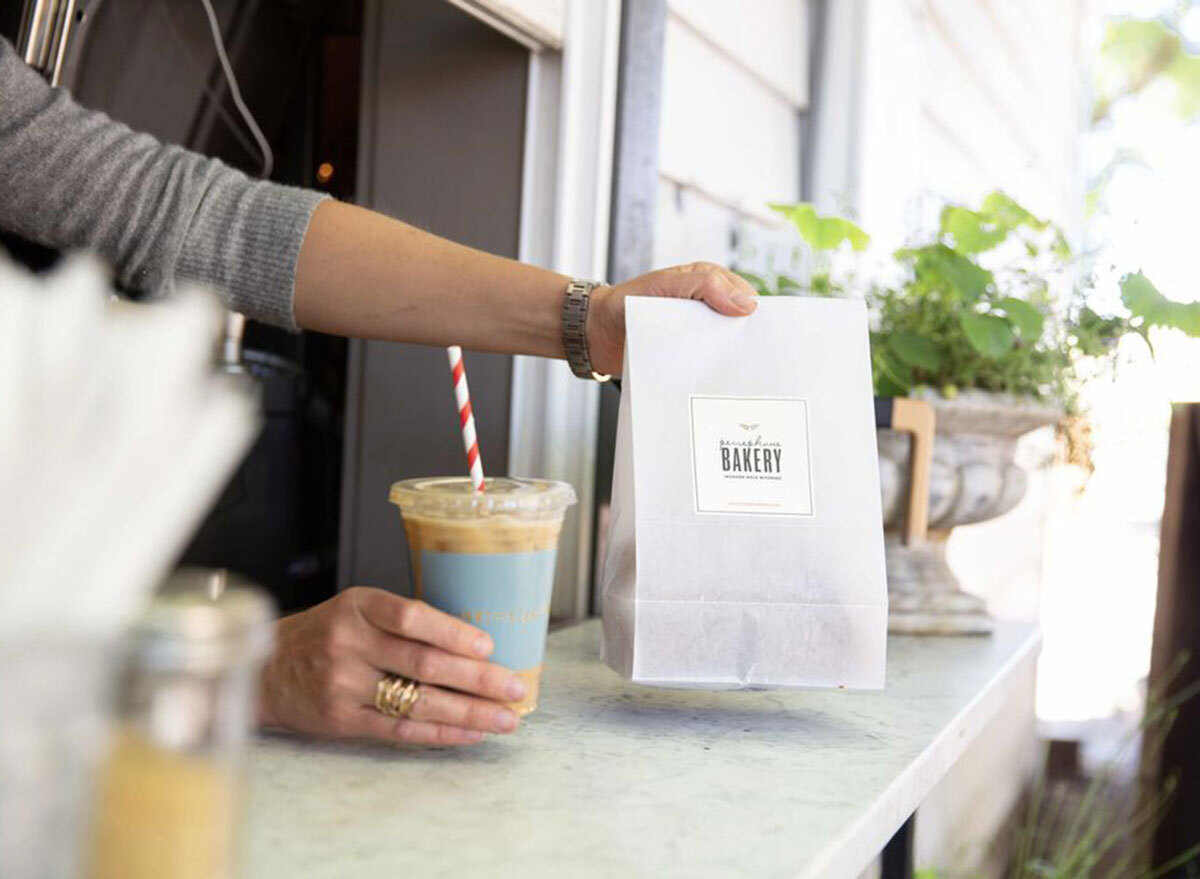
<point x="73" y="178"/>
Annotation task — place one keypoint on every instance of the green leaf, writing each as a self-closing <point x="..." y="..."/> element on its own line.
<point x="1028" y="320"/>
<point x="977" y="231"/>
<point x="988" y="334"/>
<point x="1138" y="45"/>
<point x="1002" y="210"/>
<point x="1142" y="298"/>
<point x="915" y="350"/>
<point x="1096" y="335"/>
<point x="893" y="378"/>
<point x="1138" y="53"/>
<point x="821" y="284"/>
<point x="885" y="386"/>
<point x="971" y="232"/>
<point x="1144" y="332"/>
<point x="938" y="267"/>
<point x="1184" y="73"/>
<point x="822" y="233"/>
<point x="757" y="282"/>
<point x="788" y="284"/>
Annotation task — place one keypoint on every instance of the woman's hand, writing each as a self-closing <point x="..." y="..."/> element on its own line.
<point x="721" y="289"/>
<point x="328" y="660"/>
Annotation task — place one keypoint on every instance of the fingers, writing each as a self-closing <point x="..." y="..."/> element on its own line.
<point x="420" y="622"/>
<point x="436" y="705"/>
<point x="722" y="290"/>
<point x="328" y="661"/>
<point x="408" y="731"/>
<point x="431" y="665"/>
<point x="744" y="295"/>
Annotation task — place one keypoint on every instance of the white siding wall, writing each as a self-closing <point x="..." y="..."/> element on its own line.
<point x="964" y="96"/>
<point x="734" y="83"/>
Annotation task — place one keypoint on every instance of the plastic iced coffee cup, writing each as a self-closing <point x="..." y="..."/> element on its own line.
<point x="488" y="558"/>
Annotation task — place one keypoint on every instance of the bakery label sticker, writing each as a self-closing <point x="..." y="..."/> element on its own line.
<point x="751" y="455"/>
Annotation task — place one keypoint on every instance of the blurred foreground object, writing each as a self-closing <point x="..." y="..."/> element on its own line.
<point x="168" y="799"/>
<point x="115" y="436"/>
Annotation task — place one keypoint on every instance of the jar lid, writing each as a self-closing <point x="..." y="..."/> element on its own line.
<point x="454" y="497"/>
<point x="204" y="621"/>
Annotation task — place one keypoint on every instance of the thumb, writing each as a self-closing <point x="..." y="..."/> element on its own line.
<point x="720" y="289"/>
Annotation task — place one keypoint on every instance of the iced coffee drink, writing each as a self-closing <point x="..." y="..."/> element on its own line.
<point x="488" y="558"/>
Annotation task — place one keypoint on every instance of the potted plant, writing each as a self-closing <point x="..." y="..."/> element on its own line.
<point x="983" y="321"/>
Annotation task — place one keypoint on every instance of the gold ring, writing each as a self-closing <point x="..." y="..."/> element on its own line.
<point x="395" y="696"/>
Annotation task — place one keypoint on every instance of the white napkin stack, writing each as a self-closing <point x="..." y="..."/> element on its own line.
<point x="116" y="434"/>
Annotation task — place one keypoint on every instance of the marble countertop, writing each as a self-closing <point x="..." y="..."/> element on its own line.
<point x="611" y="779"/>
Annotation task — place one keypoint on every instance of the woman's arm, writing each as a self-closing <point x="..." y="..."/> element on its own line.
<point x="363" y="274"/>
<point x="72" y="178"/>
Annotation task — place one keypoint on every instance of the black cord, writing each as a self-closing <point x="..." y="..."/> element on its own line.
<point x="235" y="128"/>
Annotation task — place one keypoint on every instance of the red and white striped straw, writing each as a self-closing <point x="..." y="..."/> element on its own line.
<point x="463" y="397"/>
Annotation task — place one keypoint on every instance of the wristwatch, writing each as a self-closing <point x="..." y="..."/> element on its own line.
<point x="574" y="328"/>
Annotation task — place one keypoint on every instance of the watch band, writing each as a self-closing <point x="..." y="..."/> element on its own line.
<point x="574" y="328"/>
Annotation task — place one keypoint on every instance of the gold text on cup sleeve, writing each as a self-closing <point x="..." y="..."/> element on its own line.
<point x="505" y="616"/>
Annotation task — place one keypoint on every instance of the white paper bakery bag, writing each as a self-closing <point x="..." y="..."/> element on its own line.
<point x="745" y="545"/>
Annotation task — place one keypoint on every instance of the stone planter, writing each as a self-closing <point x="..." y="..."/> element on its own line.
<point x="974" y="479"/>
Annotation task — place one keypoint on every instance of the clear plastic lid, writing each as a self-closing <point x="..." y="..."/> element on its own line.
<point x="454" y="497"/>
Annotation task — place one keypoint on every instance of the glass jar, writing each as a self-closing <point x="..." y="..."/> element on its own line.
<point x="55" y="713"/>
<point x="168" y="797"/>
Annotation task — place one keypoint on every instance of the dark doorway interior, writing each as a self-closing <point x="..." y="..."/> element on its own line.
<point x="443" y="137"/>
